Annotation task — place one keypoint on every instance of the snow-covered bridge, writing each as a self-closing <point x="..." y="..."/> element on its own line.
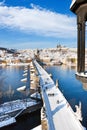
<point x="59" y="113"/>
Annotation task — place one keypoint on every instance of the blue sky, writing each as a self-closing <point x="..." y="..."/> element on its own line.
<point x="37" y="24"/>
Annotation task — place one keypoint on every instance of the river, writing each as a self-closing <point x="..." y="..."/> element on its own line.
<point x="72" y="88"/>
<point x="10" y="80"/>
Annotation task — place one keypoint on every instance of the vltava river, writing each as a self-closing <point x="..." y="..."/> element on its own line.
<point x="10" y="80"/>
<point x="73" y="89"/>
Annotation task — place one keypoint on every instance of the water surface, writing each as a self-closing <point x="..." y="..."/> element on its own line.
<point x="72" y="88"/>
<point x="10" y="80"/>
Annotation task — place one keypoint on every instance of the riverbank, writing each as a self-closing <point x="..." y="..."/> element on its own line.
<point x="18" y="64"/>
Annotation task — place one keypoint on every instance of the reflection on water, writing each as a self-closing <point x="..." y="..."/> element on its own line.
<point x="83" y="81"/>
<point x="10" y="80"/>
<point x="9" y="92"/>
<point x="85" y="86"/>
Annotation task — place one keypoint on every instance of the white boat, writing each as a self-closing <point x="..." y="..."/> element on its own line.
<point x="24" y="80"/>
<point x="21" y="88"/>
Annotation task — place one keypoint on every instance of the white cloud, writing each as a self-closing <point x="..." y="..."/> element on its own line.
<point x="39" y="21"/>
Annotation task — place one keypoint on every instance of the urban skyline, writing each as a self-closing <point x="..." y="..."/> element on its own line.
<point x="37" y="24"/>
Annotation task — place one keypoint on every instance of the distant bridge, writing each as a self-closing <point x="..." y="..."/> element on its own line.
<point x="59" y="113"/>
